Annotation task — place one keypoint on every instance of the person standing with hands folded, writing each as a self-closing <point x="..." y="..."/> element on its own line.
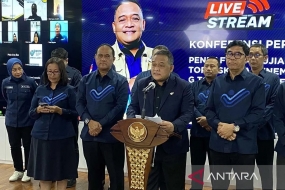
<point x="52" y="155"/>
<point x="235" y="107"/>
<point x="101" y="101"/>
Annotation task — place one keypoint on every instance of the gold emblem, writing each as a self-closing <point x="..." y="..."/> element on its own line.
<point x="137" y="132"/>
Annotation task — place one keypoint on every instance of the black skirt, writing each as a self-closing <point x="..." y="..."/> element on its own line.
<point x="52" y="160"/>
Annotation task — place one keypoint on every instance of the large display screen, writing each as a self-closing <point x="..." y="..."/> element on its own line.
<point x="42" y="22"/>
<point x="193" y="30"/>
<point x="31" y="29"/>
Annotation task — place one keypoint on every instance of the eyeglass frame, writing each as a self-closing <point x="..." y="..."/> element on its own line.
<point x="234" y="55"/>
<point x="53" y="72"/>
<point x="254" y="55"/>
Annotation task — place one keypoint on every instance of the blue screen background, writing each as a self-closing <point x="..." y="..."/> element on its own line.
<point x="175" y="24"/>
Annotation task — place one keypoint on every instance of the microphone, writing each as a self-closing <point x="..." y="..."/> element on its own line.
<point x="120" y="54"/>
<point x="144" y="55"/>
<point x="150" y="86"/>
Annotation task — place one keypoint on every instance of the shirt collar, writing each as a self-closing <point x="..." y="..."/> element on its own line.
<point x="204" y="81"/>
<point x="262" y="73"/>
<point x="68" y="69"/>
<point x="110" y="73"/>
<point x="23" y="77"/>
<point x="125" y="50"/>
<point x="243" y="74"/>
<point x="57" y="86"/>
<point x="165" y="82"/>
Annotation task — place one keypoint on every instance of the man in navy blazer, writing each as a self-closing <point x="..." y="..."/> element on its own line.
<point x="235" y="107"/>
<point x="172" y="100"/>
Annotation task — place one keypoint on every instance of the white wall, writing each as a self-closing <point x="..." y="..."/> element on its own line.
<point x="5" y="156"/>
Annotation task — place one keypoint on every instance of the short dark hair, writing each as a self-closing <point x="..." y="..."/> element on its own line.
<point x="105" y="44"/>
<point x="159" y="47"/>
<point x="61" y="66"/>
<point x="60" y="53"/>
<point x="166" y="53"/>
<point x="212" y="57"/>
<point x="262" y="47"/>
<point x="125" y="1"/>
<point x="244" y="46"/>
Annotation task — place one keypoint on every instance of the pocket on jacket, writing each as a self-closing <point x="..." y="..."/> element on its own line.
<point x="11" y="95"/>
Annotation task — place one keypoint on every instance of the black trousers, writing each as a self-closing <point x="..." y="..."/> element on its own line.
<point x="264" y="161"/>
<point x="280" y="172"/>
<point x="199" y="148"/>
<point x="98" y="154"/>
<point x="222" y="165"/>
<point x="19" y="136"/>
<point x="168" y="172"/>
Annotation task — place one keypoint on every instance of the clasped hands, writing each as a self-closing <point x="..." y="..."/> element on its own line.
<point x="226" y="131"/>
<point x="94" y="128"/>
<point x="49" y="109"/>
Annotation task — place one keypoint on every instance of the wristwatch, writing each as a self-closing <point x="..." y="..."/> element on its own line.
<point x="86" y="121"/>
<point x="236" y="128"/>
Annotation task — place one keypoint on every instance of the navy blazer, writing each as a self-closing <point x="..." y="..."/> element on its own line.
<point x="266" y="129"/>
<point x="176" y="106"/>
<point x="279" y="119"/>
<point x="18" y="95"/>
<point x="240" y="101"/>
<point x="102" y="99"/>
<point x="52" y="126"/>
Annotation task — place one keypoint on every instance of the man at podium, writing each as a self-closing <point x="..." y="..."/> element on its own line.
<point x="172" y="100"/>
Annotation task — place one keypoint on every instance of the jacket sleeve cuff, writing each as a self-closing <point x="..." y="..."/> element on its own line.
<point x="103" y="122"/>
<point x="84" y="116"/>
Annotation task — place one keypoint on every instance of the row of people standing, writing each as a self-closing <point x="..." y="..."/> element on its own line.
<point x="172" y="99"/>
<point x="53" y="108"/>
<point x="42" y="118"/>
<point x="234" y="118"/>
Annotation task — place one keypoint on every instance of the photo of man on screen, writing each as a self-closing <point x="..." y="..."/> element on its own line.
<point x="34" y="15"/>
<point x="59" y="38"/>
<point x="131" y="54"/>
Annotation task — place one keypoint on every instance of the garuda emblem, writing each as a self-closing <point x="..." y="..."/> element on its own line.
<point x="137" y="132"/>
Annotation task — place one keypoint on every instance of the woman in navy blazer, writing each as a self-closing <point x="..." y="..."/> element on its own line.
<point x="17" y="90"/>
<point x="52" y="155"/>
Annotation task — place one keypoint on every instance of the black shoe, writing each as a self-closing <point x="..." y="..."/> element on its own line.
<point x="71" y="183"/>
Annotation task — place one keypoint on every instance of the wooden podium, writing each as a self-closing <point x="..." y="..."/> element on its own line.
<point x="140" y="137"/>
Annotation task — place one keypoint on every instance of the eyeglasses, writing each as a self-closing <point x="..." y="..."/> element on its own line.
<point x="257" y="55"/>
<point x="53" y="72"/>
<point x="236" y="55"/>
